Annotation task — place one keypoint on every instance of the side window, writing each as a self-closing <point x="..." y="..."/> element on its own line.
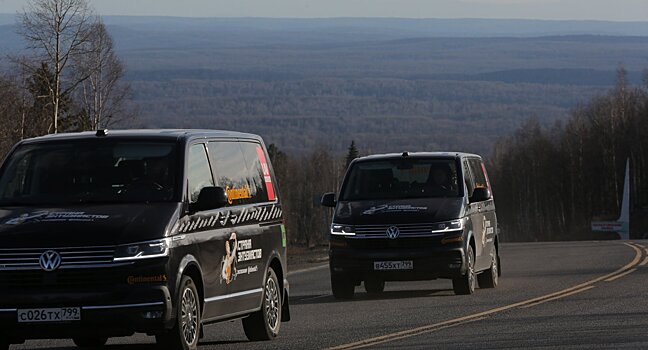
<point x="478" y="172"/>
<point x="199" y="174"/>
<point x="468" y="179"/>
<point x="19" y="184"/>
<point x="230" y="171"/>
<point x="258" y="175"/>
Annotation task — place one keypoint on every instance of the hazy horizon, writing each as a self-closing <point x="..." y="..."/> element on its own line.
<point x="597" y="10"/>
<point x="362" y="18"/>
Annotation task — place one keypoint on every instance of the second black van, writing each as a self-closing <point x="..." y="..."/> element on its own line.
<point x="413" y="216"/>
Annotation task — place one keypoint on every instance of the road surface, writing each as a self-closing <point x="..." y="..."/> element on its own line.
<point x="579" y="295"/>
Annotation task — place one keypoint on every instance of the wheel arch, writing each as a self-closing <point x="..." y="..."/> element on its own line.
<point x="276" y="265"/>
<point x="189" y="266"/>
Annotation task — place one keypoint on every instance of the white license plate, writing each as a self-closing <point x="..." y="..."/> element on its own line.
<point x="63" y="314"/>
<point x="394" y="265"/>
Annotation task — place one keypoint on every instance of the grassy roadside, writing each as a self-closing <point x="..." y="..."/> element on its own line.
<point x="304" y="257"/>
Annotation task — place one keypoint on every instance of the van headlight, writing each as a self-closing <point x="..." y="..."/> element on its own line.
<point x="342" y="230"/>
<point x="446" y="226"/>
<point x="143" y="250"/>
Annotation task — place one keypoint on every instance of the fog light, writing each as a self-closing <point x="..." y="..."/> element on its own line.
<point x="338" y="244"/>
<point x="452" y="240"/>
<point x="150" y="315"/>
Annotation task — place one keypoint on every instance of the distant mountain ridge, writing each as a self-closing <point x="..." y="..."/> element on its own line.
<point x="436" y="27"/>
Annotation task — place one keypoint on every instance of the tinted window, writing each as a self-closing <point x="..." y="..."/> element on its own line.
<point x="199" y="173"/>
<point x="478" y="171"/>
<point x="468" y="179"/>
<point x="402" y="178"/>
<point x="230" y="171"/>
<point x="89" y="172"/>
<point x="258" y="172"/>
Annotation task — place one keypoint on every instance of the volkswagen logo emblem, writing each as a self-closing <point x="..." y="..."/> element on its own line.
<point x="50" y="260"/>
<point x="393" y="232"/>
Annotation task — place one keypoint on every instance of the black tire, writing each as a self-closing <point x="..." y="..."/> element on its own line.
<point x="186" y="331"/>
<point x="343" y="288"/>
<point x="265" y="323"/>
<point x="489" y="278"/>
<point x="89" y="342"/>
<point x="466" y="283"/>
<point x="374" y="285"/>
<point x="499" y="266"/>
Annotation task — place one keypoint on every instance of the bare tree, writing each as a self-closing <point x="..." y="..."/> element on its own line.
<point x="57" y="31"/>
<point x="102" y="94"/>
<point x="10" y="108"/>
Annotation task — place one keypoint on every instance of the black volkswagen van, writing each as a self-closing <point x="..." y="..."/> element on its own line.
<point x="413" y="216"/>
<point x="158" y="231"/>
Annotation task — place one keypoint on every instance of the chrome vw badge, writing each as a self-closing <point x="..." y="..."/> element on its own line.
<point x="393" y="232"/>
<point x="50" y="260"/>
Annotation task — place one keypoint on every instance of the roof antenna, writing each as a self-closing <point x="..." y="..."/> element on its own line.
<point x="102" y="133"/>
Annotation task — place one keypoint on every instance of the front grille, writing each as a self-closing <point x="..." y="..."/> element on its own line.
<point x="398" y="243"/>
<point x="82" y="257"/>
<point x="406" y="230"/>
<point x="61" y="279"/>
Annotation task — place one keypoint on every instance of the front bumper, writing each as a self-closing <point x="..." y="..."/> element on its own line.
<point x="356" y="260"/>
<point x="141" y="309"/>
<point x="103" y="313"/>
<point x="111" y="303"/>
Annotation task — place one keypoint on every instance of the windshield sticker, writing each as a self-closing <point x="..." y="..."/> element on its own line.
<point x="47" y="216"/>
<point x="237" y="193"/>
<point x="393" y="209"/>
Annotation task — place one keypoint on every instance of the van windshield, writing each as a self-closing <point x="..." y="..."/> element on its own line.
<point x="103" y="171"/>
<point x="402" y="178"/>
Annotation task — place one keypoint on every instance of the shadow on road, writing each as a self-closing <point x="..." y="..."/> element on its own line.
<point x="107" y="347"/>
<point x="148" y="346"/>
<point x="223" y="342"/>
<point x="400" y="294"/>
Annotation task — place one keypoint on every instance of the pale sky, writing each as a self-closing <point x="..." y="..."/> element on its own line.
<point x="614" y="10"/>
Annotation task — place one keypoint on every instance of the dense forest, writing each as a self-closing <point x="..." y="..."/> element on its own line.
<point x="550" y="183"/>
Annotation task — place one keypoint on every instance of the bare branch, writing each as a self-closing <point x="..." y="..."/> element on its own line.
<point x="58" y="29"/>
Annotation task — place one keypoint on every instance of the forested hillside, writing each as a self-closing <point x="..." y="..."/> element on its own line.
<point x="551" y="182"/>
<point x="389" y="84"/>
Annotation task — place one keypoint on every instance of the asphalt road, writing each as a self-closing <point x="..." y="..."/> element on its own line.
<point x="579" y="295"/>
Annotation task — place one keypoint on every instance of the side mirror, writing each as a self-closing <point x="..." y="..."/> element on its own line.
<point x="210" y="198"/>
<point x="480" y="194"/>
<point x="328" y="200"/>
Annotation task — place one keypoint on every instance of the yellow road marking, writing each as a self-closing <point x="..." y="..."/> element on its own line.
<point x="620" y="275"/>
<point x="407" y="334"/>
<point x="557" y="297"/>
<point x="481" y="315"/>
